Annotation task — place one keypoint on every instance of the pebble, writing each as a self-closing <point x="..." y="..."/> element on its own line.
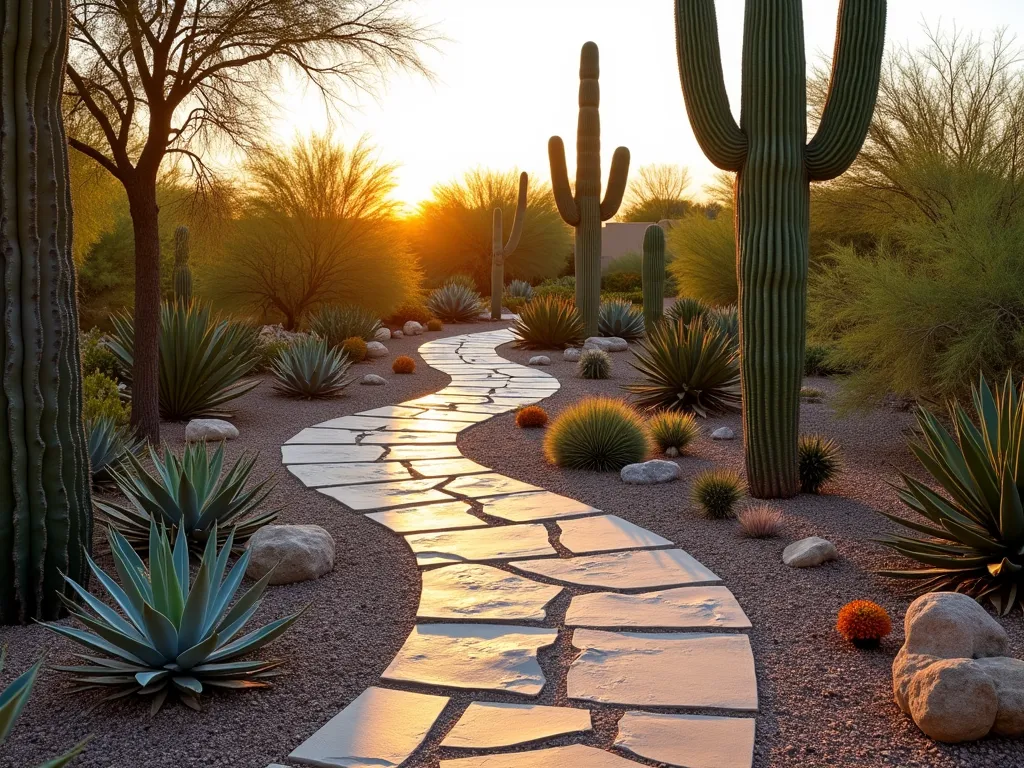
<point x="723" y="433"/>
<point x="373" y="380"/>
<point x="540" y="360"/>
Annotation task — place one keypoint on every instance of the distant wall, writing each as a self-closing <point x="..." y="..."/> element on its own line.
<point x="620" y="237"/>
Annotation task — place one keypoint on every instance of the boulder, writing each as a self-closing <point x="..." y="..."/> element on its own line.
<point x="382" y="334"/>
<point x="412" y="328"/>
<point x="606" y="343"/>
<point x="572" y="354"/>
<point x="375" y="349"/>
<point x="953" y="700"/>
<point x="540" y="360"/>
<point x="809" y="552"/>
<point x="723" y="433"/>
<point x="650" y="472"/>
<point x="373" y="380"/>
<point x="1008" y="676"/>
<point x="952" y="625"/>
<point x="293" y="552"/>
<point x="210" y="430"/>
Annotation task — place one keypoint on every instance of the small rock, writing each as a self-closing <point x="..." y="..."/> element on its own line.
<point x="293" y="552"/>
<point x="953" y="700"/>
<point x="373" y="380"/>
<point x="672" y="451"/>
<point x="809" y="552"/>
<point x="572" y="354"/>
<point x="607" y="343"/>
<point x="723" y="433"/>
<point x="210" y="430"/>
<point x="650" y="472"/>
<point x="382" y="334"/>
<point x="540" y="360"/>
<point x="397" y="334"/>
<point x="375" y="349"/>
<point x="412" y="328"/>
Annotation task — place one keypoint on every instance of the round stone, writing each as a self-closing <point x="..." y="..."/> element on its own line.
<point x="375" y="349"/>
<point x="382" y="334"/>
<point x="572" y="354"/>
<point x="373" y="380"/>
<point x="397" y="334"/>
<point x="723" y="433"/>
<point x="809" y="552"/>
<point x="540" y="360"/>
<point x="953" y="700"/>
<point x="650" y="472"/>
<point x="210" y="430"/>
<point x="412" y="328"/>
<point x="292" y="552"/>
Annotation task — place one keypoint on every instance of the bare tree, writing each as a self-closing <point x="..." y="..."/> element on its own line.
<point x="657" y="192"/>
<point x="167" y="78"/>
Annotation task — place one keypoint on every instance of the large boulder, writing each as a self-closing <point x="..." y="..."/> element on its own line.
<point x="650" y="472"/>
<point x="293" y="552"/>
<point x="952" y="625"/>
<point x="606" y="343"/>
<point x="209" y="430"/>
<point x="375" y="349"/>
<point x="809" y="552"/>
<point x="953" y="700"/>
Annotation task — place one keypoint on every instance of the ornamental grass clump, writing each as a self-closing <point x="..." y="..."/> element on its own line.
<point x="597" y="433"/>
<point x="354" y="348"/>
<point x="620" y="318"/>
<point x="434" y="325"/>
<point x="760" y="521"/>
<point x="311" y="369"/>
<point x="673" y="431"/>
<point x="863" y="623"/>
<point x="594" y="364"/>
<point x="686" y="310"/>
<point x="716" y="492"/>
<point x="455" y="303"/>
<point x="403" y="364"/>
<point x="820" y="460"/>
<point x="548" y="322"/>
<point x="531" y="417"/>
<point x="334" y="324"/>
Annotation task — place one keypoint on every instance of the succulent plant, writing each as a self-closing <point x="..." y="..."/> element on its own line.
<point x="354" y="349"/>
<point x="172" y="634"/>
<point x="501" y="251"/>
<point x="652" y="274"/>
<point x="622" y="319"/>
<point x="686" y="310"/>
<point x="820" y="460"/>
<point x="687" y="368"/>
<point x="716" y="492"/>
<point x="726" y="320"/>
<point x="434" y="325"/>
<point x="594" y="364"/>
<point x="311" y="369"/>
<point x="335" y="323"/>
<point x="863" y="623"/>
<point x="182" y="270"/>
<point x="760" y="521"/>
<point x="519" y="289"/>
<point x="109" y="443"/>
<point x="673" y="429"/>
<point x="454" y="303"/>
<point x="531" y="417"/>
<point x="189" y="494"/>
<point x="597" y="433"/>
<point x="548" y="322"/>
<point x="403" y="364"/>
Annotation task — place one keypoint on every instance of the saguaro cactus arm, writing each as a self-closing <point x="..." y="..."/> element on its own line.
<point x="700" y="72"/>
<point x="520" y="216"/>
<point x="856" y="65"/>
<point x="564" y="198"/>
<point x="616" y="184"/>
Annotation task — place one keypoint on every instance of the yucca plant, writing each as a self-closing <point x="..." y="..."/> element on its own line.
<point x="548" y="322"/>
<point x="109" y="443"/>
<point x="597" y="433"/>
<point x="687" y="368"/>
<point x="819" y="462"/>
<point x="673" y="431"/>
<point x="594" y="364"/>
<point x="620" y="318"/>
<point x="311" y="369"/>
<point x="334" y="323"/>
<point x="519" y="289"/>
<point x="454" y="303"/>
<point x="172" y="633"/>
<point x="975" y="528"/>
<point x="203" y="360"/>
<point x="189" y="494"/>
<point x="686" y="310"/>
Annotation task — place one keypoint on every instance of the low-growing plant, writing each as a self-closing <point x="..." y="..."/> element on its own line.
<point x="109" y="443"/>
<point x="620" y="318"/>
<point x="597" y="433"/>
<point x="403" y="364"/>
<point x="410" y="311"/>
<point x="101" y="399"/>
<point x="354" y="348"/>
<point x="559" y="287"/>
<point x="716" y="492"/>
<point x="621" y="282"/>
<point x="820" y="460"/>
<point x="173" y="634"/>
<point x="514" y="305"/>
<point x="454" y="303"/>
<point x="811" y="394"/>
<point x="97" y="356"/>
<point x="726" y="320"/>
<point x="863" y="623"/>
<point x="686" y="310"/>
<point x="636" y="298"/>
<point x="267" y="352"/>
<point x="531" y="417"/>
<point x="334" y="324"/>
<point x="434" y="325"/>
<point x="760" y="521"/>
<point x="673" y="430"/>
<point x="818" y="361"/>
<point x="311" y="369"/>
<point x="548" y="323"/>
<point x="519" y="289"/>
<point x="594" y="364"/>
<point x="461" y="279"/>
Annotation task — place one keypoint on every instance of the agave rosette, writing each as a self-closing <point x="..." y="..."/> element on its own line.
<point x="454" y="303"/>
<point x="620" y="318"/>
<point x="311" y="369"/>
<point x="109" y="444"/>
<point x="548" y="322"/>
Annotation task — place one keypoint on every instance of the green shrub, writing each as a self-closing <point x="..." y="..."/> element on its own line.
<point x="597" y="433"/>
<point x="311" y="369"/>
<point x="434" y="325"/>
<point x="267" y="352"/>
<point x="455" y="303"/>
<point x="97" y="357"/>
<point x="687" y="368"/>
<point x="462" y="279"/>
<point x="687" y="309"/>
<point x="519" y="289"/>
<point x="819" y="462"/>
<point x="672" y="429"/>
<point x="109" y="443"/>
<point x="817" y="361"/>
<point x="632" y="297"/>
<point x="101" y="399"/>
<point x="174" y="636"/>
<point x="334" y="324"/>
<point x="548" y="322"/>
<point x="560" y="287"/>
<point x="514" y="305"/>
<point x="594" y="364"/>
<point x="621" y="282"/>
<point x="705" y="257"/>
<point x="354" y="348"/>
<point x="716" y="492"/>
<point x="620" y="318"/>
<point x="410" y="311"/>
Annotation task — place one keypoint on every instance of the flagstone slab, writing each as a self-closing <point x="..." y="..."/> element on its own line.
<point x="490" y="408"/>
<point x="528" y="507"/>
<point x="481" y="592"/>
<point x="439" y="415"/>
<point x="316" y="475"/>
<point x="447" y="467"/>
<point x="443" y="516"/>
<point x="640" y="569"/>
<point x="688" y="741"/>
<point x="393" y="411"/>
<point x="371" y="423"/>
<point x="327" y="454"/>
<point x="487" y="725"/>
<point x="407" y="438"/>
<point x="381" y="728"/>
<point x="384" y="495"/>
<point x="604" y="533"/>
<point x="515" y="402"/>
<point x="494" y="543"/>
<point x="490" y="657"/>
<point x="575" y="756"/>
<point x="466" y="390"/>
<point x="493" y="484"/>
<point x="424" y="452"/>
<point x="439" y="400"/>
<point x="664" y="670"/>
<point x="318" y="436"/>
<point x="680" y="608"/>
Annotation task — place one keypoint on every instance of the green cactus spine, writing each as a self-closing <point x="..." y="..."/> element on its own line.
<point x="585" y="210"/>
<point x="182" y="270"/>
<point x="45" y="508"/>
<point x="653" y="274"/>
<point x="500" y="252"/>
<point x="774" y="164"/>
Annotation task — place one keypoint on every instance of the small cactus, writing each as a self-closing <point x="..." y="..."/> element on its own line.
<point x="594" y="364"/>
<point x="673" y="431"/>
<point x="531" y="417"/>
<point x="182" y="270"/>
<point x="653" y="274"/>
<point x="863" y="623"/>
<point x="499" y="251"/>
<point x="434" y="325"/>
<point x="404" y="364"/>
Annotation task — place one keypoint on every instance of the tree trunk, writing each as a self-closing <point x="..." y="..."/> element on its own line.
<point x="146" y="352"/>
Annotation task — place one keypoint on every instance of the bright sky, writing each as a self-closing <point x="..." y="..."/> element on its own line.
<point x="507" y="80"/>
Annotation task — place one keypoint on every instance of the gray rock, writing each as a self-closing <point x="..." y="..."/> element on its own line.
<point x="210" y="430"/>
<point x="953" y="700"/>
<point x="650" y="472"/>
<point x="572" y="354"/>
<point x="952" y="625"/>
<point x="606" y="343"/>
<point x="540" y="360"/>
<point x="809" y="552"/>
<point x="412" y="328"/>
<point x="382" y="334"/>
<point x="373" y="380"/>
<point x="375" y="349"/>
<point x="293" y="552"/>
<point x="723" y="433"/>
<point x="672" y="451"/>
<point x="397" y="334"/>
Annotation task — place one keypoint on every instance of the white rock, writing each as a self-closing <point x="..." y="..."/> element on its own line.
<point x="373" y="380"/>
<point x="650" y="472"/>
<point x="375" y="349"/>
<point x="211" y="430"/>
<point x="671" y="451"/>
<point x="809" y="552"/>
<point x="497" y="543"/>
<point x="953" y="700"/>
<point x="540" y="360"/>
<point x="397" y="334"/>
<point x="952" y="625"/>
<point x="572" y="354"/>
<point x="412" y="328"/>
<point x="607" y="343"/>
<point x="382" y="334"/>
<point x="723" y="433"/>
<point x="690" y="608"/>
<point x="293" y="552"/>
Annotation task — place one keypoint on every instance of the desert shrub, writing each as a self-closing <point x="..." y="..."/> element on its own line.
<point x="101" y="399"/>
<point x="336" y="323"/>
<point x="311" y="369"/>
<point x="267" y="351"/>
<point x="818" y="361"/>
<point x="108" y="443"/>
<point x="716" y="492"/>
<point x="629" y="297"/>
<point x="560" y="287"/>
<point x="672" y="429"/>
<point x="597" y="433"/>
<point x="620" y="318"/>
<point x="462" y="279"/>
<point x="514" y="305"/>
<point x="97" y="356"/>
<point x="704" y="266"/>
<point x="410" y="311"/>
<point x="354" y="348"/>
<point x="454" y="303"/>
<point x="548" y="323"/>
<point x="621" y="282"/>
<point x="686" y="309"/>
<point x="435" y="325"/>
<point x="594" y="364"/>
<point x="760" y="521"/>
<point x="810" y="394"/>
<point x="820" y="460"/>
<point x="686" y="368"/>
<point x="403" y="364"/>
<point x="531" y="416"/>
<point x="863" y="623"/>
<point x="519" y="289"/>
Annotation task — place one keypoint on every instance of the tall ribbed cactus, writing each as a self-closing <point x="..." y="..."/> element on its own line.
<point x="774" y="162"/>
<point x="182" y="270"/>
<point x="652" y="272"/>
<point x="586" y="210"/>
<point x="500" y="252"/>
<point x="45" y="508"/>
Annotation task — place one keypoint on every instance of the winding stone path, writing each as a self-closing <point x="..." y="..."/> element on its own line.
<point x="649" y="626"/>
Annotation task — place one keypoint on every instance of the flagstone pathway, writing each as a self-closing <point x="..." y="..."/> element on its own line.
<point x="650" y="628"/>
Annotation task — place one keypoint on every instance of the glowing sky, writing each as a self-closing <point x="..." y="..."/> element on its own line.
<point x="507" y="80"/>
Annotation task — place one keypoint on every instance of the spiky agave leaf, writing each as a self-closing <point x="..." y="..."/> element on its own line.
<point x="548" y="322"/>
<point x="109" y="444"/>
<point x="726" y="320"/>
<point x="519" y="289"/>
<point x="334" y="323"/>
<point x="975" y="530"/>
<point x="598" y="433"/>
<point x="455" y="303"/>
<point x="687" y="368"/>
<point x="166" y="633"/>
<point x="620" y="318"/>
<point x="686" y="310"/>
<point x="189" y="494"/>
<point x="311" y="369"/>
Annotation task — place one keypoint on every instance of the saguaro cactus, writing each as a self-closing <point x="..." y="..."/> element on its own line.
<point x="182" y="270"/>
<point x="774" y="164"/>
<point x="652" y="272"/>
<point x="501" y="252"/>
<point x="45" y="509"/>
<point x="585" y="210"/>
